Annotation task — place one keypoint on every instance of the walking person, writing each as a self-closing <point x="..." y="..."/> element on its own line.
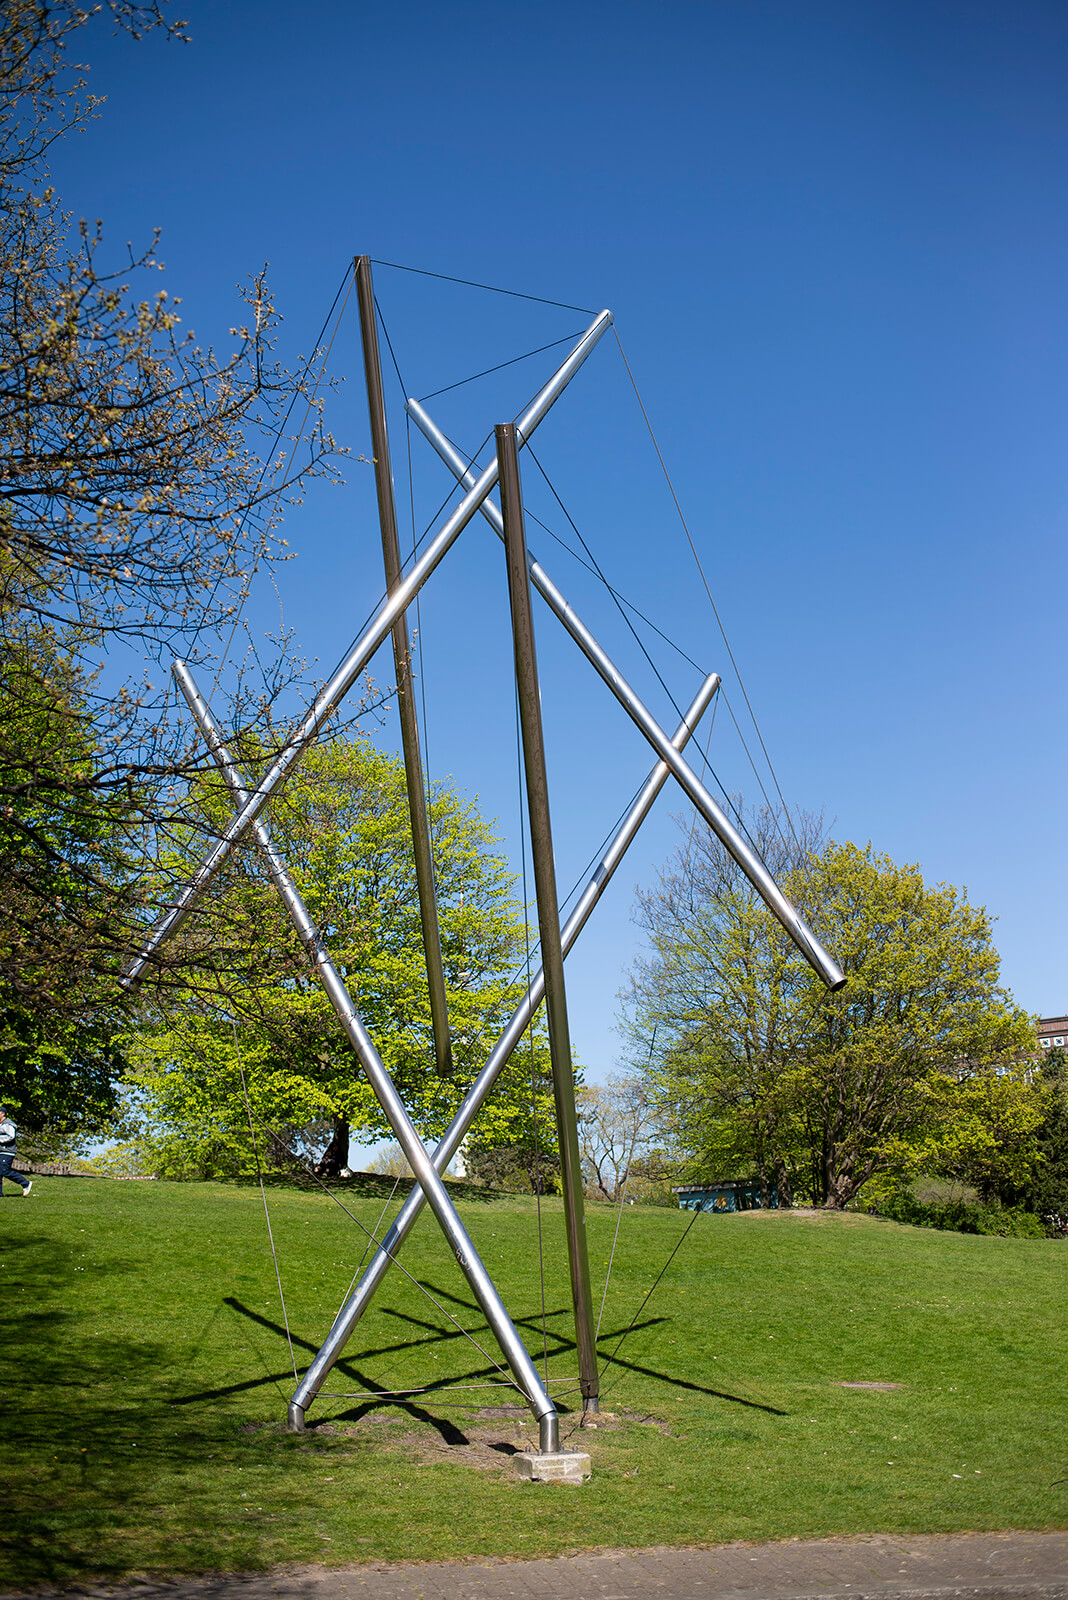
<point x="8" y="1144"/>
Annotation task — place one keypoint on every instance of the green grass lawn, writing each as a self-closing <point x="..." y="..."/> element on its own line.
<point x="148" y="1376"/>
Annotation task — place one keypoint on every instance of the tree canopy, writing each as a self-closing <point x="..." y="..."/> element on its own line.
<point x="918" y="1061"/>
<point x="1047" y="1194"/>
<point x="65" y="884"/>
<point x="266" y="1026"/>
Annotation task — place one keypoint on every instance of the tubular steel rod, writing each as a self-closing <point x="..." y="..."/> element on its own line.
<point x="479" y="1280"/>
<point x="380" y="1263"/>
<point x="552" y="955"/>
<point x="402" y="662"/>
<point x="806" y="941"/>
<point x="358" y="658"/>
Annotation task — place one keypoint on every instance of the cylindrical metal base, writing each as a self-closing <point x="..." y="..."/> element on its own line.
<point x="295" y="1418"/>
<point x="548" y="1434"/>
<point x="590" y="1404"/>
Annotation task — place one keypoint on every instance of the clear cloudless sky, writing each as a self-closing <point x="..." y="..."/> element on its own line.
<point x="834" y="240"/>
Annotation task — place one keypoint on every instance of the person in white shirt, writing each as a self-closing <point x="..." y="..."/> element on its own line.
<point x="8" y="1145"/>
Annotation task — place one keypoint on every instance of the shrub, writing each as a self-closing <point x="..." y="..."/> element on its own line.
<point x="959" y="1215"/>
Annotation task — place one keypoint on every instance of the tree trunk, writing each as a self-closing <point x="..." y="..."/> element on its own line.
<point x="782" y="1184"/>
<point x="825" y="1176"/>
<point x="841" y="1185"/>
<point x="336" y="1154"/>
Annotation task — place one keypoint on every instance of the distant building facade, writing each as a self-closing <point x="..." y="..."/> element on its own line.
<point x="1053" y="1033"/>
<point x="730" y="1195"/>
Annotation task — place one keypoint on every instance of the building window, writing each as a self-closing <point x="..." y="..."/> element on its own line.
<point x="1044" y="1043"/>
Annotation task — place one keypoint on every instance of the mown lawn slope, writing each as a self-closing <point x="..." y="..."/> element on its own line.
<point x="148" y="1373"/>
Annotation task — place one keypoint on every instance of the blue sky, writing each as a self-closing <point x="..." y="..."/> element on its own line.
<point x="834" y="240"/>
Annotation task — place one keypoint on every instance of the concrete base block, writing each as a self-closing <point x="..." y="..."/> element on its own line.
<point x="564" y="1466"/>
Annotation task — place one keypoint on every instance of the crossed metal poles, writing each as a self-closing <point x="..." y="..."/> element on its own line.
<point x="248" y="815"/>
<point x="755" y="870"/>
<point x="357" y="660"/>
<point x="453" y="1137"/>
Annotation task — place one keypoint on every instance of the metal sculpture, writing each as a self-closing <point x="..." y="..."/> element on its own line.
<point x="524" y="573"/>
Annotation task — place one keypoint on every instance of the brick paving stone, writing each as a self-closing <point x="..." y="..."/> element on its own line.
<point x="978" y="1566"/>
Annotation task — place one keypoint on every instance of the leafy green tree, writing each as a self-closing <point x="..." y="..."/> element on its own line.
<point x="711" y="1018"/>
<point x="758" y="1065"/>
<point x="267" y="1029"/>
<point x="912" y="1042"/>
<point x="1047" y="1193"/>
<point x="64" y="883"/>
<point x="990" y="1135"/>
<point x="135" y="504"/>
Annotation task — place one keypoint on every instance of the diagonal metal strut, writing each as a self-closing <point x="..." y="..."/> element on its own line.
<point x="755" y="870"/>
<point x="356" y="661"/>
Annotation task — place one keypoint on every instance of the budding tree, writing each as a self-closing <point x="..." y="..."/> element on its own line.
<point x="137" y="501"/>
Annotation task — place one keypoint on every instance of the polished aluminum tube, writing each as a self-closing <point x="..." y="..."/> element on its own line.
<point x="358" y="658"/>
<point x="806" y="941"/>
<point x="457" y="1131"/>
<point x="552" y="955"/>
<point x="402" y="662"/>
<point x="479" y="1280"/>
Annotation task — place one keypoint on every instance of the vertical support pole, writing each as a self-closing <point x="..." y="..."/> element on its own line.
<point x="402" y="661"/>
<point x="541" y="844"/>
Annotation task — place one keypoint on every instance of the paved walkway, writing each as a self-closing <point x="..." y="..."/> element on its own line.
<point x="986" y="1566"/>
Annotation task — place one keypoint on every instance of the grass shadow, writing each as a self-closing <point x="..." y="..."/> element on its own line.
<point x="110" y="1465"/>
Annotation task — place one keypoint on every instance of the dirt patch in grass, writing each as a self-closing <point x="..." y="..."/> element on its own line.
<point x="495" y="1434"/>
<point x="486" y="1446"/>
<point x="569" y="1422"/>
<point x="488" y="1441"/>
<point x="848" y="1383"/>
<point x="802" y="1213"/>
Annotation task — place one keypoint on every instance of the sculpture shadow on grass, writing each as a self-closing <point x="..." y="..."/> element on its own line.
<point x="109" y="1440"/>
<point x="433" y="1334"/>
